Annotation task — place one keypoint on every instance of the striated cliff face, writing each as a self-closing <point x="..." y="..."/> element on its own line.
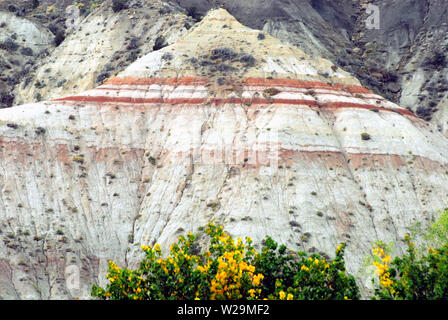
<point x="411" y="44"/>
<point x="227" y="124"/>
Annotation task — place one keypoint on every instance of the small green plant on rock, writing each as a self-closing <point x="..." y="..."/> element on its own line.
<point x="365" y="136"/>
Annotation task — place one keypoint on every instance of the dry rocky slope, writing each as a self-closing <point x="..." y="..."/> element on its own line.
<point x="22" y="42"/>
<point x="100" y="45"/>
<point x="227" y="124"/>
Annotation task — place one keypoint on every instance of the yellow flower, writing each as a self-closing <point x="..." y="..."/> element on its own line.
<point x="289" y="297"/>
<point x="157" y="247"/>
<point x="304" y="268"/>
<point x="252" y="292"/>
<point x="282" y="295"/>
<point x="251" y="268"/>
<point x="202" y="269"/>
<point x="257" y="279"/>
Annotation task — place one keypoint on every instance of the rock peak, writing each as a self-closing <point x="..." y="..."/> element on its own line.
<point x="219" y="15"/>
<point x="219" y="47"/>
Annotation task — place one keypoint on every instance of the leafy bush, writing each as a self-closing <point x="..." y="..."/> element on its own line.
<point x="229" y="270"/>
<point x="59" y="38"/>
<point x="436" y="60"/>
<point x="192" y="12"/>
<point x="412" y="278"/>
<point x="248" y="59"/>
<point x="299" y="277"/>
<point x="224" y="54"/>
<point x="6" y="99"/>
<point x="365" y="136"/>
<point x="118" y="5"/>
<point x="26" y="51"/>
<point x="34" y="4"/>
<point x="102" y="77"/>
<point x="415" y="275"/>
<point x="9" y="45"/>
<point x="159" y="43"/>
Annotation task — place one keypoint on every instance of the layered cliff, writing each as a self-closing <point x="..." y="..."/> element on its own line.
<point x="227" y="124"/>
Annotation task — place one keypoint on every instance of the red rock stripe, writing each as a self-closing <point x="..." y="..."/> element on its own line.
<point x="340" y="105"/>
<point x="14" y="150"/>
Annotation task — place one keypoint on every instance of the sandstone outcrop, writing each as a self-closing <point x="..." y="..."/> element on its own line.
<point x="227" y="124"/>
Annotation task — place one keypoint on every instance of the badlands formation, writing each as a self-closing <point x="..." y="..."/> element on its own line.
<point x="227" y="124"/>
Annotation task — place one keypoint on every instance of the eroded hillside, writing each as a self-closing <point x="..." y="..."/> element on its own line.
<point x="227" y="124"/>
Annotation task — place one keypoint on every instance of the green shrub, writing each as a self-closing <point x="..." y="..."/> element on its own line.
<point x="118" y="5"/>
<point x="411" y="277"/>
<point x="421" y="273"/>
<point x="302" y="277"/>
<point x="59" y="38"/>
<point x="159" y="43"/>
<point x="365" y="136"/>
<point x="192" y="12"/>
<point x="229" y="270"/>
